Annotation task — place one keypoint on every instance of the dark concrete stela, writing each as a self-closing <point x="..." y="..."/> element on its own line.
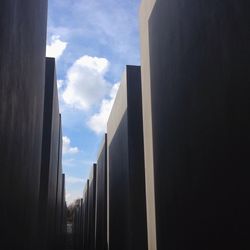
<point x="85" y="216"/>
<point x="51" y="162"/>
<point x="200" y="64"/>
<point x="59" y="192"/>
<point x="126" y="183"/>
<point x="22" y="74"/>
<point x="92" y="208"/>
<point x="101" y="198"/>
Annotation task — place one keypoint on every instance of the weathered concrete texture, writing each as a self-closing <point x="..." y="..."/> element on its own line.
<point x="92" y="208"/>
<point x="101" y="198"/>
<point x="200" y="96"/>
<point x="51" y="154"/>
<point x="126" y="185"/>
<point x="22" y="71"/>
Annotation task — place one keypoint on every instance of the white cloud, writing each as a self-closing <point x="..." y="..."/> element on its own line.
<point x="56" y="47"/>
<point x="67" y="149"/>
<point x="59" y="84"/>
<point x="99" y="22"/>
<point x="86" y="84"/>
<point x="98" y="122"/>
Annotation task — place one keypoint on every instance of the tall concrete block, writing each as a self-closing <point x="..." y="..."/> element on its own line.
<point x="126" y="183"/>
<point x="92" y="208"/>
<point x="50" y="157"/>
<point x="199" y="62"/>
<point x="22" y="73"/>
<point x="81" y="225"/>
<point x="145" y="12"/>
<point x="59" y="191"/>
<point x="101" y="198"/>
<point x="86" y="217"/>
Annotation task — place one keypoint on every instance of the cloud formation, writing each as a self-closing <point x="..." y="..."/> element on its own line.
<point x="59" y="84"/>
<point x="56" y="47"/>
<point x="86" y="84"/>
<point x="98" y="122"/>
<point x="67" y="149"/>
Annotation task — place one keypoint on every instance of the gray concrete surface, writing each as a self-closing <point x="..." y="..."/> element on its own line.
<point x="22" y="80"/>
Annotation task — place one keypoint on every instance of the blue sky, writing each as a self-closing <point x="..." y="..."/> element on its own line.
<point x="92" y="41"/>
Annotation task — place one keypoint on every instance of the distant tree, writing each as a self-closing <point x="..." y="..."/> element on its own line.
<point x="70" y="210"/>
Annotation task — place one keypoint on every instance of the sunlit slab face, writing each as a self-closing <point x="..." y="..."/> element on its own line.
<point x="145" y="12"/>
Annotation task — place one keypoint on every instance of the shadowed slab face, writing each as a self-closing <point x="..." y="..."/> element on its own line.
<point x="118" y="188"/>
<point x="200" y="96"/>
<point x="59" y="192"/>
<point x="22" y="74"/>
<point x="51" y="160"/>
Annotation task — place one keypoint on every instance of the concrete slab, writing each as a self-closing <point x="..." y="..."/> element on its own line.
<point x="199" y="64"/>
<point x="101" y="198"/>
<point x="22" y="81"/>
<point x="126" y="181"/>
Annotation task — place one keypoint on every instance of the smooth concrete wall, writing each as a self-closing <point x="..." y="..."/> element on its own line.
<point x="145" y="12"/>
<point x="22" y="73"/>
<point x="101" y="198"/>
<point x="50" y="157"/>
<point x="126" y="184"/>
<point x="200" y="96"/>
